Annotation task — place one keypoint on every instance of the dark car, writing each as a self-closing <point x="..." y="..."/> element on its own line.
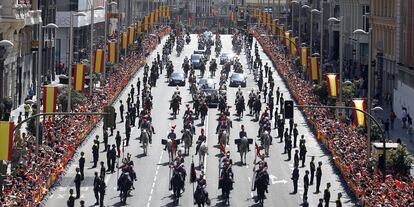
<point x="196" y="60"/>
<point x="177" y="79"/>
<point x="238" y="79"/>
<point x="212" y="97"/>
<point x="226" y="57"/>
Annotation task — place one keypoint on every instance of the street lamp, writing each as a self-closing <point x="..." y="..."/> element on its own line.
<point x="293" y="29"/>
<point x="341" y="42"/>
<point x="39" y="75"/>
<point x="369" y="93"/>
<point x="112" y="3"/>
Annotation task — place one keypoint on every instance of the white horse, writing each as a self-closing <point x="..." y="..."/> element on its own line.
<point x="144" y="140"/>
<point x="223" y="137"/>
<point x="243" y="149"/>
<point x="265" y="141"/>
<point x="202" y="152"/>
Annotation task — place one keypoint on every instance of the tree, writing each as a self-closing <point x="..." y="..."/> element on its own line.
<point x="77" y="98"/>
<point x="400" y="160"/>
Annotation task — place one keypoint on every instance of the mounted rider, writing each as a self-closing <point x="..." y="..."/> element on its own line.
<point x="201" y="138"/>
<point x="243" y="135"/>
<point x="172" y="136"/>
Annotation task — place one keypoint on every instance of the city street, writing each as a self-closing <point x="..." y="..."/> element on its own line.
<point x="152" y="187"/>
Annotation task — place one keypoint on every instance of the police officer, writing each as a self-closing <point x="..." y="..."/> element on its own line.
<point x="295" y="135"/>
<point x="296" y="158"/>
<point x="338" y="201"/>
<point x="295" y="178"/>
<point x="327" y="195"/>
<point x="102" y="188"/>
<point x="121" y="110"/>
<point x="118" y="140"/>
<point x="77" y="182"/>
<point x="95" y="153"/>
<point x="277" y="96"/>
<point x="96" y="182"/>
<point x="103" y="169"/>
<point x="105" y="139"/>
<point x="288" y="148"/>
<point x="318" y="176"/>
<point x="305" y="185"/>
<point x="71" y="201"/>
<point x="312" y="169"/>
<point x="82" y="165"/>
<point x="112" y="158"/>
<point x="302" y="154"/>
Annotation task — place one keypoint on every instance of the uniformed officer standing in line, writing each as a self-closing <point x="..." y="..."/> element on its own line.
<point x="118" y="140"/>
<point x="296" y="158"/>
<point x="96" y="182"/>
<point x="103" y="169"/>
<point x="312" y="169"/>
<point x="302" y="154"/>
<point x="305" y="185"/>
<point x="295" y="178"/>
<point x="112" y="158"/>
<point x="121" y="110"/>
<point x="82" y="165"/>
<point x="102" y="189"/>
<point x="105" y="139"/>
<point x="77" y="182"/>
<point x="327" y="195"/>
<point x="95" y="153"/>
<point x="295" y="135"/>
<point x="338" y="201"/>
<point x="71" y="201"/>
<point x="318" y="176"/>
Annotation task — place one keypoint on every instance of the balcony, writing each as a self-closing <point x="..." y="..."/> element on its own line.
<point x="18" y="11"/>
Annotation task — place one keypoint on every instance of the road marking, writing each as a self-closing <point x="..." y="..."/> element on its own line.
<point x="283" y="181"/>
<point x="249" y="179"/>
<point x="84" y="188"/>
<point x="155" y="179"/>
<point x="251" y="194"/>
<point x="60" y="196"/>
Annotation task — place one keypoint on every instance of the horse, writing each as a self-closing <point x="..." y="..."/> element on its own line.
<point x="240" y="107"/>
<point x="243" y="149"/>
<point x="200" y="196"/>
<point x="175" y="106"/>
<point x="124" y="185"/>
<point x="265" y="142"/>
<point x="223" y="137"/>
<point x="188" y="141"/>
<point x="261" y="182"/>
<point x="226" y="185"/>
<point x="144" y="138"/>
<point x="172" y="149"/>
<point x="202" y="151"/>
<point x="177" y="184"/>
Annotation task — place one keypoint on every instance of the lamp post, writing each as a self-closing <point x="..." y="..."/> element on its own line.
<point x="293" y="28"/>
<point x="341" y="55"/>
<point x="39" y="77"/>
<point x="369" y="94"/>
<point x="69" y="107"/>
<point x="311" y="20"/>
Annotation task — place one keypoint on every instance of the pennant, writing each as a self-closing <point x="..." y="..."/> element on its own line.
<point x="112" y="52"/>
<point x="79" y="78"/>
<point x="49" y="99"/>
<point x="304" y="53"/>
<point x="293" y="47"/>
<point x="332" y="81"/>
<point x="269" y="21"/>
<point x="257" y="150"/>
<point x="99" y="61"/>
<point x="131" y="36"/>
<point x="6" y="140"/>
<point x="124" y="38"/>
<point x="314" y="68"/>
<point x="359" y="117"/>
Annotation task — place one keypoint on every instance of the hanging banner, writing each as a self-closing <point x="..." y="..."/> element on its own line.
<point x="269" y="21"/>
<point x="124" y="38"/>
<point x="304" y="53"/>
<point x="359" y="117"/>
<point x="79" y="78"/>
<point x="151" y="19"/>
<point x="49" y="99"/>
<point x="287" y="40"/>
<point x="139" y="30"/>
<point x="99" y="61"/>
<point x="293" y="47"/>
<point x="146" y="24"/>
<point x="332" y="82"/>
<point x="112" y="52"/>
<point x="131" y="35"/>
<point x="274" y="23"/>
<point x="314" y="68"/>
<point x="168" y="13"/>
<point x="6" y="140"/>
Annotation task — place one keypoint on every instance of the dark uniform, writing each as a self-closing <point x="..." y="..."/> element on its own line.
<point x="295" y="178"/>
<point x="105" y="139"/>
<point x="312" y="170"/>
<point x="77" y="182"/>
<point x="82" y="165"/>
<point x="295" y="136"/>
<point x="327" y="196"/>
<point x="305" y="185"/>
<point x="95" y="153"/>
<point x="121" y="111"/>
<point x="71" y="201"/>
<point x="112" y="158"/>
<point x="96" y="183"/>
<point x="318" y="176"/>
<point x="102" y="188"/>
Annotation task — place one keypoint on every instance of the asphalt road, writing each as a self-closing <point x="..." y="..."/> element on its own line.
<point x="153" y="171"/>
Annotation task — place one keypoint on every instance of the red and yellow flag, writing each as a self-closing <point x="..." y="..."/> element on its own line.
<point x="139" y="29"/>
<point x="304" y="53"/>
<point x="168" y="12"/>
<point x="287" y="40"/>
<point x="131" y="36"/>
<point x="269" y="21"/>
<point x="293" y="47"/>
<point x="6" y="140"/>
<point x="151" y="20"/>
<point x="359" y="117"/>
<point x="112" y="52"/>
<point x="274" y="23"/>
<point x="99" y="61"/>
<point x="49" y="99"/>
<point x="146" y="24"/>
<point x="314" y="68"/>
<point x="79" y="78"/>
<point x="124" y="38"/>
<point x="332" y="81"/>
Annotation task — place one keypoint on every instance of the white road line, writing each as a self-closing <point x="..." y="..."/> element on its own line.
<point x="107" y="178"/>
<point x="249" y="179"/>
<point x="251" y="194"/>
<point x="155" y="179"/>
<point x="205" y="157"/>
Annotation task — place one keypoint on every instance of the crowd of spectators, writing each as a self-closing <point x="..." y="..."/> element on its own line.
<point x="61" y="135"/>
<point x="347" y="145"/>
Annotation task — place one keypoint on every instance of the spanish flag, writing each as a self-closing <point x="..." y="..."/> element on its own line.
<point x="156" y="15"/>
<point x="293" y="47"/>
<point x="359" y="117"/>
<point x="281" y="34"/>
<point x="274" y="23"/>
<point x="314" y="68"/>
<point x="124" y="38"/>
<point x="139" y="30"/>
<point x="304" y="53"/>
<point x="287" y="40"/>
<point x="269" y="21"/>
<point x="112" y="52"/>
<point x="6" y="140"/>
<point x="131" y="36"/>
<point x="151" y="21"/>
<point x="99" y="60"/>
<point x="332" y="81"/>
<point x="49" y="99"/>
<point x="146" y="24"/>
<point x="168" y="12"/>
<point x="79" y="78"/>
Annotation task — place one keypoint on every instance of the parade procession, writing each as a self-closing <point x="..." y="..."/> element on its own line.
<point x="171" y="107"/>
